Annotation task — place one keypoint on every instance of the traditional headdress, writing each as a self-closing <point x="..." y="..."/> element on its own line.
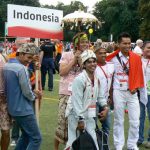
<point x="87" y="54"/>
<point x="79" y="37"/>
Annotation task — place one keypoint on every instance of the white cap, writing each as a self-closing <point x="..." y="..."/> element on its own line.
<point x="87" y="54"/>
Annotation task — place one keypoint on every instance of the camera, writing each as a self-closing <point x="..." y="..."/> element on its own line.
<point x="126" y="70"/>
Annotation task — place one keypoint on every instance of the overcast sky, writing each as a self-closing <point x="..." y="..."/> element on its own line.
<point x="89" y="3"/>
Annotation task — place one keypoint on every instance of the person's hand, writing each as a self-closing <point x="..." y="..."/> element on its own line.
<point x="103" y="114"/>
<point x="37" y="65"/>
<point x="81" y="125"/>
<point x="79" y="61"/>
<point x="36" y="58"/>
<point x="133" y="91"/>
<point x="38" y="94"/>
<point x="77" y="55"/>
<point x="110" y="101"/>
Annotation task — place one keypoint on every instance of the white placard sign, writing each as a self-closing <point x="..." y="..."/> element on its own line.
<point x="35" y="22"/>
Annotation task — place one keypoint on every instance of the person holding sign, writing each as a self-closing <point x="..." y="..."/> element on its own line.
<point x="20" y="97"/>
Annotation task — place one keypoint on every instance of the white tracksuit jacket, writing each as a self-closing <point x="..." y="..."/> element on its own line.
<point x="83" y="96"/>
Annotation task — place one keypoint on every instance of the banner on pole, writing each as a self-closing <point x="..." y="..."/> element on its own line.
<point x="35" y="22"/>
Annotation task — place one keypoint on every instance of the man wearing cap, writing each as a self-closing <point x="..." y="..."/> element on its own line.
<point x="138" y="49"/>
<point x="70" y="67"/>
<point x="85" y="94"/>
<point x="20" y="97"/>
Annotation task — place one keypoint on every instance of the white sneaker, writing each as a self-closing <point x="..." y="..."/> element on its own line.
<point x="13" y="143"/>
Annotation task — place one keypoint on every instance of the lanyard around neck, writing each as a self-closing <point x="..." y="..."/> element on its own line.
<point x="92" y="83"/>
<point x="106" y="76"/>
<point x="123" y="65"/>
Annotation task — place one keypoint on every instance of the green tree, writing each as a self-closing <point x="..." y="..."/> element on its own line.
<point x="67" y="9"/>
<point x="144" y="11"/>
<point x="118" y="16"/>
<point x="27" y="2"/>
<point x="3" y="10"/>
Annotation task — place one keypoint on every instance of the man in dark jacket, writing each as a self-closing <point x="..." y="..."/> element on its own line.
<point x="47" y="63"/>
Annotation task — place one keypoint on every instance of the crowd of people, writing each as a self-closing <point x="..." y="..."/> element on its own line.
<point x="94" y="80"/>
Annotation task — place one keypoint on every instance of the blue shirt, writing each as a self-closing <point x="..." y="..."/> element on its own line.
<point x="18" y="89"/>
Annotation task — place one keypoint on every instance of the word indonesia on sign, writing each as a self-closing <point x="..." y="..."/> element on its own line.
<point x="34" y="22"/>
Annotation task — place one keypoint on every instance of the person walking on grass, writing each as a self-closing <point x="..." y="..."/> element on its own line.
<point x="47" y="57"/>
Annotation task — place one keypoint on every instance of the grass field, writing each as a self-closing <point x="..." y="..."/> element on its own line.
<point x="48" y="119"/>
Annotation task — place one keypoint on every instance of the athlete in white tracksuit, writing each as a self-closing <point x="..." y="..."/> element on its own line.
<point x="104" y="74"/>
<point x="85" y="94"/>
<point x="108" y="68"/>
<point x="122" y="96"/>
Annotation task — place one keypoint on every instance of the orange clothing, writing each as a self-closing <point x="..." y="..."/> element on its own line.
<point x="136" y="79"/>
<point x="59" y="48"/>
<point x="12" y="55"/>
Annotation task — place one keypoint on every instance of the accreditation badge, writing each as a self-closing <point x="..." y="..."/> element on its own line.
<point x="123" y="83"/>
<point x="92" y="110"/>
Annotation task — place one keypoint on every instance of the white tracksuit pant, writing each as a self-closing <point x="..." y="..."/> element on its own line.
<point x="120" y="99"/>
<point x="72" y="125"/>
